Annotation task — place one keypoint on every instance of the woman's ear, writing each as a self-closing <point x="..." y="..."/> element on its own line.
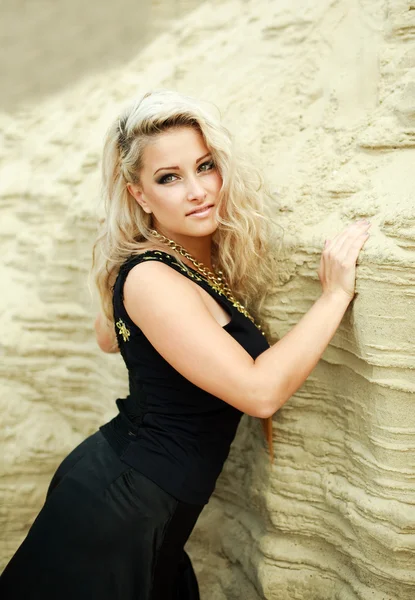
<point x="138" y="196"/>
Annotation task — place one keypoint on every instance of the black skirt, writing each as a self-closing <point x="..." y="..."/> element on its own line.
<point x="105" y="532"/>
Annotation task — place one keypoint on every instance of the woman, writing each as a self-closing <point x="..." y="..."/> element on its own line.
<point x="182" y="265"/>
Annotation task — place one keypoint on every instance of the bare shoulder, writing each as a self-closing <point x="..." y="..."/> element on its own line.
<point x="152" y="272"/>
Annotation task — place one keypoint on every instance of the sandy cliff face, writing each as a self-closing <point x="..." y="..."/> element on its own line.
<point x="325" y="93"/>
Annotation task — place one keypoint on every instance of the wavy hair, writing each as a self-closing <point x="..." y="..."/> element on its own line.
<point x="244" y="242"/>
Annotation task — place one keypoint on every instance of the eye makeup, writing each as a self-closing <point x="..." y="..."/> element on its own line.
<point x="164" y="179"/>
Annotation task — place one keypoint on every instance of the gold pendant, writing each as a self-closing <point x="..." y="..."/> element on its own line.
<point x="123" y="330"/>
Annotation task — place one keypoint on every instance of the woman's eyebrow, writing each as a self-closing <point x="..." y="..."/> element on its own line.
<point x="177" y="167"/>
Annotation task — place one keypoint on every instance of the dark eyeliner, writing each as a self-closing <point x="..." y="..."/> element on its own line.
<point x="162" y="179"/>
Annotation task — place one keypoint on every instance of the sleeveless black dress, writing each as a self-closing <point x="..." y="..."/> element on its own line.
<point x="123" y="503"/>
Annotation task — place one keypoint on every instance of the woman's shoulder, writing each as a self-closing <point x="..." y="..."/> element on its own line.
<point x="138" y="257"/>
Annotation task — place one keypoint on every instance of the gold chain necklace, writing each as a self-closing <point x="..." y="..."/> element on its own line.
<point x="217" y="282"/>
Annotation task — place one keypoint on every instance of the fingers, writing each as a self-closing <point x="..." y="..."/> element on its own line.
<point x="351" y="245"/>
<point x="354" y="230"/>
<point x="340" y="244"/>
<point x="337" y="265"/>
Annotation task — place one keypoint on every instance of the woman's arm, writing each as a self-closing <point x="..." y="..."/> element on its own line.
<point x="172" y="315"/>
<point x="105" y="335"/>
<point x="184" y="332"/>
<point x="285" y="366"/>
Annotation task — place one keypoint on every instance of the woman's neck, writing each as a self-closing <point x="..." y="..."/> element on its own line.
<point x="199" y="248"/>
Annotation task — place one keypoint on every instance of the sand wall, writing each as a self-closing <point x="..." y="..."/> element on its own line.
<point x="324" y="92"/>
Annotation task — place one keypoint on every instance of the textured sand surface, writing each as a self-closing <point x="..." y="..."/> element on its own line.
<point x="324" y="92"/>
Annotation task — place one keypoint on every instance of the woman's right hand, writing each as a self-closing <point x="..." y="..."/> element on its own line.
<point x="337" y="270"/>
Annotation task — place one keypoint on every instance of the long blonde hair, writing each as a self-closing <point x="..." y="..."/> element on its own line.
<point x="244" y="242"/>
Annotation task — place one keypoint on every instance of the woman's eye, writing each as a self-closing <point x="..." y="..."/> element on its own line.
<point x="165" y="179"/>
<point x="210" y="164"/>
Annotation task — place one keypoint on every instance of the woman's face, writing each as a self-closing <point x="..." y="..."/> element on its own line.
<point x="179" y="176"/>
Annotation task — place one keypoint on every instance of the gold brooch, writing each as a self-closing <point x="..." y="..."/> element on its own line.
<point x="123" y="330"/>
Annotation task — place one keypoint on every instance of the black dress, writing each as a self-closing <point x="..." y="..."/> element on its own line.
<point x="123" y="503"/>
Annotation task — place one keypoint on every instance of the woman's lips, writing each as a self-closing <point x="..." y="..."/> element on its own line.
<point x="201" y="213"/>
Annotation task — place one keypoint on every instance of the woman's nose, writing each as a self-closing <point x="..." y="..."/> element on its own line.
<point x="196" y="190"/>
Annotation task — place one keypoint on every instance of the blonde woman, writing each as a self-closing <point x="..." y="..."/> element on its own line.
<point x="182" y="265"/>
